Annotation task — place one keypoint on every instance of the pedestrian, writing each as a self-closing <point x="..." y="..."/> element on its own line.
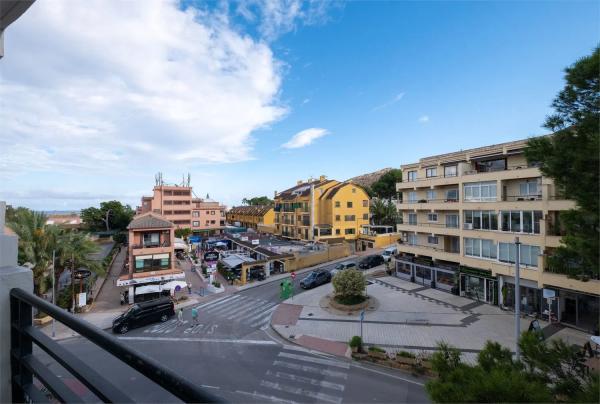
<point x="189" y="286"/>
<point x="180" y="317"/>
<point x="195" y="315"/>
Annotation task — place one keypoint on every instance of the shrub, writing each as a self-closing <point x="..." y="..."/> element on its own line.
<point x="349" y="300"/>
<point x="216" y="284"/>
<point x="349" y="283"/>
<point x="405" y="354"/>
<point x="376" y="349"/>
<point x="355" y="342"/>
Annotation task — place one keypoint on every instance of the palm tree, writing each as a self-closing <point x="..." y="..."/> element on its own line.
<point x="383" y="211"/>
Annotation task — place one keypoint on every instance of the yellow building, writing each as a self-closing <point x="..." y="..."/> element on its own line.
<point x="461" y="213"/>
<point x="321" y="209"/>
<point x="251" y="217"/>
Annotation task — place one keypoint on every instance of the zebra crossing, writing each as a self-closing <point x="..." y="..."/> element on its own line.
<point x="298" y="376"/>
<point x="239" y="308"/>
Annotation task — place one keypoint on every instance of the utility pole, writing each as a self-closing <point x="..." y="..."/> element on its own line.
<point x="53" y="290"/>
<point x="517" y="298"/>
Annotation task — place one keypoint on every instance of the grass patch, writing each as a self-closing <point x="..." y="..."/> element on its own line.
<point x="350" y="300"/>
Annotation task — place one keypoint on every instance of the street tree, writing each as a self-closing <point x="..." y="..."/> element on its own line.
<point x="571" y="157"/>
<point x="383" y="212"/>
<point x="349" y="286"/>
<point x="183" y="232"/>
<point x="112" y="215"/>
<point x="257" y="201"/>
<point x="385" y="186"/>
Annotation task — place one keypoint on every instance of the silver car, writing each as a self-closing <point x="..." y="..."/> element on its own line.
<point x="343" y="266"/>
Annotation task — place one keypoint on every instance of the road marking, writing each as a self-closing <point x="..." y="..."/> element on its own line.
<point x="301" y="392"/>
<point x="217" y="301"/>
<point x="228" y="307"/>
<point x="194" y="329"/>
<point x="264" y="319"/>
<point x="225" y="301"/>
<point x="251" y="310"/>
<point x="265" y="397"/>
<point x="319" y="361"/>
<point x="387" y="374"/>
<point x="311" y="369"/>
<point x="224" y="340"/>
<point x="166" y="327"/>
<point x="307" y="380"/>
<point x="161" y="326"/>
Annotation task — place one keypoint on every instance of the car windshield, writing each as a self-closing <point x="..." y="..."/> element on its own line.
<point x="339" y="266"/>
<point x="387" y="253"/>
<point x="132" y="309"/>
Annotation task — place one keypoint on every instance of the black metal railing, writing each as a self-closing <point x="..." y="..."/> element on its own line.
<point x="25" y="365"/>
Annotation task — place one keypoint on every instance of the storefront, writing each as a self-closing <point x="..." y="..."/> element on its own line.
<point x="478" y="284"/>
<point x="424" y="272"/>
<point x="530" y="295"/>
<point x="573" y="308"/>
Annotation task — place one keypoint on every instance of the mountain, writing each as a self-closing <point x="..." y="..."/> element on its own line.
<point x="366" y="180"/>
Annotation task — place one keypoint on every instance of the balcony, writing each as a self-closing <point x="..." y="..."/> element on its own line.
<point x="447" y="229"/>
<point x="429" y="204"/>
<point x="428" y="250"/>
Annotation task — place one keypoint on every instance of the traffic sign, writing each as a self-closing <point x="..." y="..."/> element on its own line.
<point x="293" y="275"/>
<point x="362" y="315"/>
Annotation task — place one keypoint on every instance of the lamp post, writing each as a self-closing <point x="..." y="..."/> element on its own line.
<point x="517" y="298"/>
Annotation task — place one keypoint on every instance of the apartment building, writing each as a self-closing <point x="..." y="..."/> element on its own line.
<point x="178" y="205"/>
<point x="151" y="252"/>
<point x="251" y="217"/>
<point x="321" y="209"/>
<point x="460" y="215"/>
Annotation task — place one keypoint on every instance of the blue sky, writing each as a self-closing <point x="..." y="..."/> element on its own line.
<point x="220" y="92"/>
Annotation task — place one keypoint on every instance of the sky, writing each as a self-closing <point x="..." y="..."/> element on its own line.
<point x="96" y="97"/>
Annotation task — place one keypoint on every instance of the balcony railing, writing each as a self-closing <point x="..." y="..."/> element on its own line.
<point x="430" y="247"/>
<point x="509" y="198"/>
<point x="450" y="200"/>
<point x="26" y="365"/>
<point x="434" y="224"/>
<point x="151" y="245"/>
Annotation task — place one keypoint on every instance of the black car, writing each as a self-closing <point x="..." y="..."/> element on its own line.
<point x="144" y="313"/>
<point x="315" y="278"/>
<point x="371" y="261"/>
<point x="257" y="273"/>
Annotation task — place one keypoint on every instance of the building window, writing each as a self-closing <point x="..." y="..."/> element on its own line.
<point x="151" y="239"/>
<point x="528" y="188"/>
<point x="480" y="220"/>
<point x="337" y="204"/>
<point x="412" y="219"/>
<point x="452" y="221"/>
<point x="432" y="217"/>
<point x="196" y="224"/>
<point x="450" y="171"/>
<point x="365" y="216"/>
<point x="480" y="191"/>
<point x="431" y="195"/>
<point x="480" y="248"/>
<point x="337" y="231"/>
<point x="490" y="165"/>
<point x="432" y="239"/>
<point x="348" y="204"/>
<point x="337" y="218"/>
<point x="431" y="172"/>
<point x="452" y="195"/>
<point x="212" y="212"/>
<point x="517" y="221"/>
<point x="365" y="203"/>
<point x="412" y="239"/>
<point x="411" y="176"/>
<point x="349" y="231"/>
<point x="412" y="196"/>
<point x="213" y="222"/>
<point x="207" y="222"/>
<point x="195" y="213"/>
<point x="349" y="218"/>
<point x="529" y="254"/>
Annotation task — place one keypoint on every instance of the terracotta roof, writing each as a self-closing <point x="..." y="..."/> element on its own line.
<point x="301" y="189"/>
<point x="330" y="193"/>
<point x="258" y="210"/>
<point x="149" y="220"/>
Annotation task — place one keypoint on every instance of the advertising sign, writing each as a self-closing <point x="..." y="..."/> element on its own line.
<point x="256" y="242"/>
<point x="549" y="293"/>
<point x="81" y="299"/>
<point x="244" y="238"/>
<point x="211" y="256"/>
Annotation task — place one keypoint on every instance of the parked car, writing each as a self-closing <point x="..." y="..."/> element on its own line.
<point x="315" y="278"/>
<point x="144" y="313"/>
<point x="371" y="261"/>
<point x="343" y="266"/>
<point x="388" y="253"/>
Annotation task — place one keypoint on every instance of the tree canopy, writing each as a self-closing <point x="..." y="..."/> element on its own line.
<point x="385" y="186"/>
<point x="119" y="216"/>
<point x="570" y="156"/>
<point x="257" y="201"/>
<point x="384" y="212"/>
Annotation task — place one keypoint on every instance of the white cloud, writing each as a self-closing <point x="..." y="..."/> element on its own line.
<point x="424" y="119"/>
<point x="114" y="86"/>
<point x="305" y="138"/>
<point x="305" y="101"/>
<point x="394" y="100"/>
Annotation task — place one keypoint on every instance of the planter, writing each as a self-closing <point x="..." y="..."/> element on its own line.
<point x="405" y="361"/>
<point x="377" y="355"/>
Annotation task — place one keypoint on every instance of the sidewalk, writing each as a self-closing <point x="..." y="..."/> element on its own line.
<point x="405" y="316"/>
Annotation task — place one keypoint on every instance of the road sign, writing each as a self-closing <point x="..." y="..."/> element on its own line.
<point x="362" y="315"/>
<point x="293" y="275"/>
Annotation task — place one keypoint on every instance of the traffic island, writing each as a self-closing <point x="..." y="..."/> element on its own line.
<point x="334" y="306"/>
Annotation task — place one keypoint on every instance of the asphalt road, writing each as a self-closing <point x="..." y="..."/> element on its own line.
<point x="232" y="351"/>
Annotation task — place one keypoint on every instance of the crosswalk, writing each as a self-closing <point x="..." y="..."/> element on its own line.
<point x="250" y="311"/>
<point x="298" y="376"/>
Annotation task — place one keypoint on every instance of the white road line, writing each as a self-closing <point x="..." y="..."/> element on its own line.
<point x="230" y="306"/>
<point x="219" y="340"/>
<point x="217" y="301"/>
<point x="208" y="309"/>
<point x="264" y="319"/>
<point x="160" y="327"/>
<point x="251" y="310"/>
<point x="307" y="380"/>
<point x="259" y="315"/>
<point x="194" y="329"/>
<point x="319" y="361"/>
<point x="301" y="392"/>
<point x="265" y="397"/>
<point x="388" y="375"/>
<point x="172" y="326"/>
<point x="311" y="369"/>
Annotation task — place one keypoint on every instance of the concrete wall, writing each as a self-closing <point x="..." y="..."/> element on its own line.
<point x="309" y="260"/>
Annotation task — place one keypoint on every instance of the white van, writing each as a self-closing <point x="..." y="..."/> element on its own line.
<point x="388" y="253"/>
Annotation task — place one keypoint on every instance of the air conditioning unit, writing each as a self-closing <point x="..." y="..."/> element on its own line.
<point x="468" y="226"/>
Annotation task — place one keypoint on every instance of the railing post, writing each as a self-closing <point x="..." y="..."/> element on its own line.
<point x="11" y="276"/>
<point x="21" y="345"/>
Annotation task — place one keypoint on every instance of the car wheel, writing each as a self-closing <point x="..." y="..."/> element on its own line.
<point x="123" y="329"/>
<point x="164" y="318"/>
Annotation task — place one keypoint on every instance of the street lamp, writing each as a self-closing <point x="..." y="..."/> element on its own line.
<point x="517" y="298"/>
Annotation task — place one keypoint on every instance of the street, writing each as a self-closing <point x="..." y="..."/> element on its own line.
<point x="233" y="352"/>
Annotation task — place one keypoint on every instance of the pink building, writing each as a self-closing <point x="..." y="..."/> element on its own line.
<point x="177" y="205"/>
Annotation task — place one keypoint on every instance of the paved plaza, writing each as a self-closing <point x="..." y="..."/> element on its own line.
<point x="408" y="316"/>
